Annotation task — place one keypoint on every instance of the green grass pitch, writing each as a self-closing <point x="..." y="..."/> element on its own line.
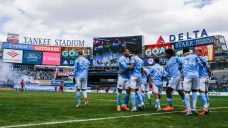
<point x="42" y="108"/>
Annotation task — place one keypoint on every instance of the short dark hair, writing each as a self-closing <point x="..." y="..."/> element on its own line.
<point x="169" y="51"/>
<point x="136" y="52"/>
<point x="79" y="52"/>
<point x="156" y="60"/>
<point x="185" y="50"/>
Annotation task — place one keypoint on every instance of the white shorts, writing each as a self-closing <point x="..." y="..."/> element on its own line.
<point x="157" y="89"/>
<point x="203" y="84"/>
<point x="190" y="84"/>
<point x="176" y="83"/>
<point x="81" y="83"/>
<point x="123" y="83"/>
<point x="144" y="87"/>
<point x="135" y="82"/>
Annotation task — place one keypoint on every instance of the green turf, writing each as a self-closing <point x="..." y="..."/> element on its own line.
<point x="39" y="107"/>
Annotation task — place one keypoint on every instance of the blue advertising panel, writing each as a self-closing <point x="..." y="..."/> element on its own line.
<point x="31" y="57"/>
<point x="193" y="43"/>
<point x="17" y="46"/>
<point x="70" y="62"/>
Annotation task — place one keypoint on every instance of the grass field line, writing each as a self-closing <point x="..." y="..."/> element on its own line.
<point x="94" y="119"/>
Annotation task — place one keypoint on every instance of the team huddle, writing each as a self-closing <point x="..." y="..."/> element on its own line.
<point x="186" y="74"/>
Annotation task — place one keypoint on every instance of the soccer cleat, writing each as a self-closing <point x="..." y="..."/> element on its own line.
<point x="118" y="109"/>
<point x="189" y="113"/>
<point x="195" y="111"/>
<point x="186" y="110"/>
<point x="168" y="108"/>
<point x="77" y="106"/>
<point x="125" y="107"/>
<point x="134" y="109"/>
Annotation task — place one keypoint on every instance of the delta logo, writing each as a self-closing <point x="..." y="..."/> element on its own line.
<point x="12" y="54"/>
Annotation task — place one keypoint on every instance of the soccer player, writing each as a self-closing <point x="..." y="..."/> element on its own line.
<point x="81" y="75"/>
<point x="123" y="80"/>
<point x="173" y="67"/>
<point x="136" y="67"/>
<point x="157" y="72"/>
<point x="204" y="76"/>
<point x="190" y="66"/>
<point x="61" y="86"/>
<point x="22" y="85"/>
<point x="145" y="86"/>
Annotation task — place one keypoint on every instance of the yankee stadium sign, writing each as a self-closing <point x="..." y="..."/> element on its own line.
<point x="50" y="42"/>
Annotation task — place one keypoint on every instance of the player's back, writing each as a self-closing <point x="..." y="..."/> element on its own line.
<point x="157" y="72"/>
<point x="173" y="66"/>
<point x="81" y="67"/>
<point x="203" y="70"/>
<point x="190" y="66"/>
<point x="138" y="65"/>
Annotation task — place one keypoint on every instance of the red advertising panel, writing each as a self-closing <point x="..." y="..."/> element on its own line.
<point x="46" y="48"/>
<point x="50" y="58"/>
<point x="207" y="51"/>
<point x="157" y="49"/>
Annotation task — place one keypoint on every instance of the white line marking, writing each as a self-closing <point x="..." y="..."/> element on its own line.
<point x="94" y="119"/>
<point x="82" y="120"/>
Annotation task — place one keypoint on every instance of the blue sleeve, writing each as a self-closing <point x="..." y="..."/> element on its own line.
<point x="199" y="62"/>
<point x="123" y="63"/>
<point x="132" y="61"/>
<point x="179" y="63"/>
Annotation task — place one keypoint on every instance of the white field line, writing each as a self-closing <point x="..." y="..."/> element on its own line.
<point x="93" y="119"/>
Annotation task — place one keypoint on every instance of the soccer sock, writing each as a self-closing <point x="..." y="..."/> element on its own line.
<point x="118" y="99"/>
<point x="194" y="100"/>
<point x="78" y="97"/>
<point x="207" y="98"/>
<point x="85" y="95"/>
<point x="203" y="101"/>
<point x="140" y="98"/>
<point x="126" y="99"/>
<point x="148" y="95"/>
<point x="157" y="102"/>
<point x="133" y="99"/>
<point x="187" y="101"/>
<point x="170" y="102"/>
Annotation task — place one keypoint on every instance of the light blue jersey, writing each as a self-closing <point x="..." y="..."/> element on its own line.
<point x="173" y="67"/>
<point x="81" y="67"/>
<point x="190" y="66"/>
<point x="203" y="71"/>
<point x="124" y="64"/>
<point x="157" y="72"/>
<point x="144" y="76"/>
<point x="138" y="65"/>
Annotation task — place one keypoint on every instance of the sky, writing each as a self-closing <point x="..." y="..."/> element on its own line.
<point x="85" y="19"/>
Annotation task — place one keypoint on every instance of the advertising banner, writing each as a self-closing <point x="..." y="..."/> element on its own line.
<point x="157" y="50"/>
<point x="31" y="57"/>
<point x="17" y="46"/>
<point x="51" y="58"/>
<point x="70" y="54"/>
<point x="194" y="43"/>
<point x="12" y="37"/>
<point x="46" y="48"/>
<point x="108" y="50"/>
<point x="13" y="56"/>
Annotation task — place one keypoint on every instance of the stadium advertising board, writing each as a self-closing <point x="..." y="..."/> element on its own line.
<point x="194" y="43"/>
<point x="17" y="46"/>
<point x="51" y="58"/>
<point x="188" y="35"/>
<point x="46" y="48"/>
<point x="70" y="54"/>
<point x="31" y="57"/>
<point x="13" y="56"/>
<point x="12" y="37"/>
<point x="156" y="50"/>
<point x="107" y="50"/>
